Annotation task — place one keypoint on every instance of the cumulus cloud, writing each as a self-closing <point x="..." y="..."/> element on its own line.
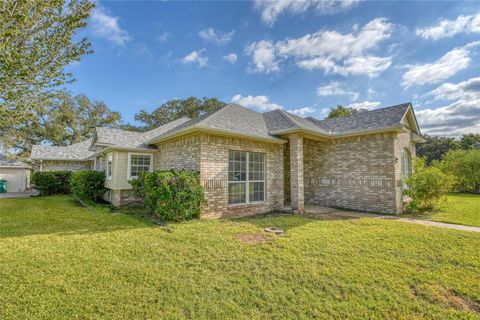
<point x="450" y="28"/>
<point x="271" y="9"/>
<point x="364" y="105"/>
<point x="107" y="27"/>
<point x="260" y="103"/>
<point x="334" y="88"/>
<point x="302" y="112"/>
<point x="461" y="116"/>
<point x="232" y="57"/>
<point x="196" y="57"/>
<point x="452" y="62"/>
<point x="216" y="37"/>
<point x="330" y="51"/>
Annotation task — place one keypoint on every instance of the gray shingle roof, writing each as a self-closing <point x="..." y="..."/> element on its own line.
<point x="232" y="118"/>
<point x="363" y="121"/>
<point x="76" y="151"/>
<point x="279" y="121"/>
<point x="6" y="162"/>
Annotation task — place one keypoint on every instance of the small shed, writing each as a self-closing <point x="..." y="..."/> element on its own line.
<point x="16" y="173"/>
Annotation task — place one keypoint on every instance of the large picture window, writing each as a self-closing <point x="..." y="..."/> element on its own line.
<point x="138" y="163"/>
<point x="246" y="177"/>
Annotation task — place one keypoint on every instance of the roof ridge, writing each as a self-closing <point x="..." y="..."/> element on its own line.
<point x="209" y="114"/>
<point x="287" y="116"/>
<point x="363" y="112"/>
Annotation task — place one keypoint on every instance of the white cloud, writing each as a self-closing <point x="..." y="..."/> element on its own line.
<point x="364" y="105"/>
<point x="260" y="103"/>
<point x="467" y="90"/>
<point x="330" y="51"/>
<point x="106" y="26"/>
<point x="452" y="62"/>
<point x="163" y="37"/>
<point x="216" y="37"/>
<point x="450" y="28"/>
<point x="302" y="112"/>
<point x="231" y="57"/>
<point x="334" y="88"/>
<point x="263" y="56"/>
<point x="196" y="57"/>
<point x="271" y="9"/>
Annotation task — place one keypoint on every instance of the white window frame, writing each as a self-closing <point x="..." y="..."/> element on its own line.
<point x="247" y="181"/>
<point x="129" y="164"/>
<point x="109" y="166"/>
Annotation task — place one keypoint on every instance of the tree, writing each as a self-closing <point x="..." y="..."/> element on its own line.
<point x="470" y="141"/>
<point x="341" y="111"/>
<point x="465" y="166"/>
<point x="434" y="148"/>
<point x="174" y="109"/>
<point x="36" y="44"/>
<point x="64" y="120"/>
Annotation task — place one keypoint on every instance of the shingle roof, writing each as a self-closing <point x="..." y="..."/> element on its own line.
<point x="362" y="121"/>
<point x="76" y="151"/>
<point x="279" y="121"/>
<point x="6" y="162"/>
<point x="232" y="118"/>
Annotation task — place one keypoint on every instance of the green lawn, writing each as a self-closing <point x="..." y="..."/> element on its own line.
<point x="61" y="261"/>
<point x="460" y="209"/>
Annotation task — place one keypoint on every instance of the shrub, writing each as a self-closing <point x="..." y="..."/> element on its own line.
<point x="88" y="185"/>
<point x="465" y="166"/>
<point x="170" y="195"/>
<point x="52" y="182"/>
<point x="426" y="187"/>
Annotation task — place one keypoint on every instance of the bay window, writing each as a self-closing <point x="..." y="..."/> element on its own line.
<point x="109" y="166"/>
<point x="246" y="177"/>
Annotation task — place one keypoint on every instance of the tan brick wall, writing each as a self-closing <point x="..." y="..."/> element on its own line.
<point x="296" y="146"/>
<point x="356" y="173"/>
<point x="60" y="165"/>
<point x="214" y="176"/>
<point x="120" y="198"/>
<point x="181" y="153"/>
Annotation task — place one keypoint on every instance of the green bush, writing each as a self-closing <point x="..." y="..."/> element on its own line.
<point x="52" y="182"/>
<point x="88" y="186"/>
<point x="465" y="166"/>
<point x="426" y="187"/>
<point x="170" y="195"/>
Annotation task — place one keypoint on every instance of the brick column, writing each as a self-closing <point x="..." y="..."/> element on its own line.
<point x="296" y="173"/>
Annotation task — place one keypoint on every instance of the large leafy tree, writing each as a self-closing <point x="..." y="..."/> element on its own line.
<point x="470" y="141"/>
<point x="341" y="111"/>
<point x="435" y="148"/>
<point x="174" y="109"/>
<point x="63" y="120"/>
<point x="37" y="41"/>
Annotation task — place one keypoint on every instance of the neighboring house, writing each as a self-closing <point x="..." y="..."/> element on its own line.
<point x="252" y="162"/>
<point x="16" y="173"/>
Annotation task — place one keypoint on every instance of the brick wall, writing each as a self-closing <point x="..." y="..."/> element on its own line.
<point x="355" y="173"/>
<point x="181" y="153"/>
<point x="402" y="141"/>
<point x="60" y="165"/>
<point x="214" y="176"/>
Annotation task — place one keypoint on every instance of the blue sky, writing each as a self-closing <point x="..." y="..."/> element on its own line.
<point x="302" y="56"/>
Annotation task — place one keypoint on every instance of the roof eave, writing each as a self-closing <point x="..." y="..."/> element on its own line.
<point x="133" y="149"/>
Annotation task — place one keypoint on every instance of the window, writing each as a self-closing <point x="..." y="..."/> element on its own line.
<point x="138" y="163"/>
<point x="246" y="177"/>
<point x="109" y="166"/>
<point x="406" y="164"/>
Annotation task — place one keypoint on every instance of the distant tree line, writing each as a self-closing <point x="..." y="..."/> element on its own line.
<point x="436" y="147"/>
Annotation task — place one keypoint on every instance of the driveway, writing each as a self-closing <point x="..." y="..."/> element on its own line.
<point x="18" y="194"/>
<point x="352" y="214"/>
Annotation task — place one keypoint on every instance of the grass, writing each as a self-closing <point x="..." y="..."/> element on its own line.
<point x="61" y="261"/>
<point x="460" y="209"/>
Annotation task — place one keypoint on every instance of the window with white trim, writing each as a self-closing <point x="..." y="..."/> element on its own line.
<point x="246" y="177"/>
<point x="406" y="164"/>
<point x="109" y="166"/>
<point x="138" y="163"/>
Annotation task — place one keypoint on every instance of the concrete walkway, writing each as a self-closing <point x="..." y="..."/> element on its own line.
<point x="353" y="214"/>
<point x="9" y="195"/>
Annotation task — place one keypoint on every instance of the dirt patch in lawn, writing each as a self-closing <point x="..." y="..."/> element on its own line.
<point x="446" y="297"/>
<point x="251" y="238"/>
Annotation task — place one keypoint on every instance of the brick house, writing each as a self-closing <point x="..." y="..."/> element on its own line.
<point x="251" y="162"/>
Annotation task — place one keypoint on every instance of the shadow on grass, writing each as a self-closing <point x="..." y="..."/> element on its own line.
<point x="61" y="215"/>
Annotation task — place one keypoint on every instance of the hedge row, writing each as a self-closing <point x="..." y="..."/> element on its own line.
<point x="52" y="182"/>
